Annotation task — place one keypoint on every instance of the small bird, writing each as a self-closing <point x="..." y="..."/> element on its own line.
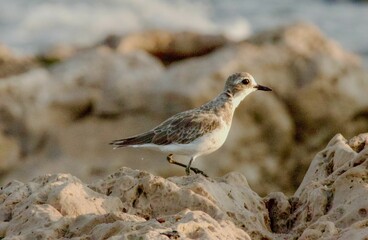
<point x="199" y="131"/>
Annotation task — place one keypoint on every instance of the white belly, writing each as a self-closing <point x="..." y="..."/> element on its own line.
<point x="204" y="145"/>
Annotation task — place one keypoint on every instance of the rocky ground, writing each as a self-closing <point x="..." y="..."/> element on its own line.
<point x="58" y="111"/>
<point x="330" y="203"/>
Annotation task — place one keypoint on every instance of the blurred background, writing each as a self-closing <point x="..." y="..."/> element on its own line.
<point x="75" y="75"/>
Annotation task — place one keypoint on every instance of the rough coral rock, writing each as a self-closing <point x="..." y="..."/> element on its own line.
<point x="331" y="203"/>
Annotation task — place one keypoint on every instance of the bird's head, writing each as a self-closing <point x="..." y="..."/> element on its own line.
<point x="242" y="84"/>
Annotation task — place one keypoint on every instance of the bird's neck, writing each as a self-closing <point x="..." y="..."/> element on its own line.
<point x="238" y="98"/>
<point x="223" y="105"/>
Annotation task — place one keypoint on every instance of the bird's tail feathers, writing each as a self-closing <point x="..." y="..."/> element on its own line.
<point x="135" y="140"/>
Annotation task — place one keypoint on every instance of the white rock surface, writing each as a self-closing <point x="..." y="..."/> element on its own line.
<point x="331" y="203"/>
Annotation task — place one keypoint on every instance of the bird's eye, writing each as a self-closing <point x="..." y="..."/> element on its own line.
<point x="245" y="81"/>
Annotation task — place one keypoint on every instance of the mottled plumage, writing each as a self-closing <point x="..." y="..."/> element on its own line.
<point x="198" y="131"/>
<point x="181" y="128"/>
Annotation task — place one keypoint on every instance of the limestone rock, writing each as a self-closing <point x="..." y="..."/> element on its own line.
<point x="101" y="81"/>
<point x="23" y="117"/>
<point x="131" y="203"/>
<point x="331" y="203"/>
<point x="168" y="46"/>
<point x="37" y="106"/>
<point x="43" y="207"/>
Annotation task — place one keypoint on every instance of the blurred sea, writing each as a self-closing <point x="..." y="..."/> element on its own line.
<point x="33" y="26"/>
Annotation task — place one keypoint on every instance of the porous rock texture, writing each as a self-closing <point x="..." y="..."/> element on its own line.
<point x="331" y="203"/>
<point x="61" y="118"/>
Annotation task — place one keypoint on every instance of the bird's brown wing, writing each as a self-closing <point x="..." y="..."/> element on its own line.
<point x="181" y="128"/>
<point x="184" y="128"/>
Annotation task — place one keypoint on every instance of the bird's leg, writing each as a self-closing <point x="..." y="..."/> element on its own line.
<point x="195" y="170"/>
<point x="172" y="161"/>
<point x="187" y="167"/>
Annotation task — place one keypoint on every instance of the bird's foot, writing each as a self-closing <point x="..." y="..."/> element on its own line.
<point x="197" y="171"/>
<point x="187" y="169"/>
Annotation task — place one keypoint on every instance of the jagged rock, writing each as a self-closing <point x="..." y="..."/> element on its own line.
<point x="101" y="81"/>
<point x="36" y="106"/>
<point x="132" y="203"/>
<point x="331" y="203"/>
<point x="23" y="118"/>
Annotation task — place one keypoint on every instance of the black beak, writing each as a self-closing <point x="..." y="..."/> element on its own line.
<point x="263" y="88"/>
